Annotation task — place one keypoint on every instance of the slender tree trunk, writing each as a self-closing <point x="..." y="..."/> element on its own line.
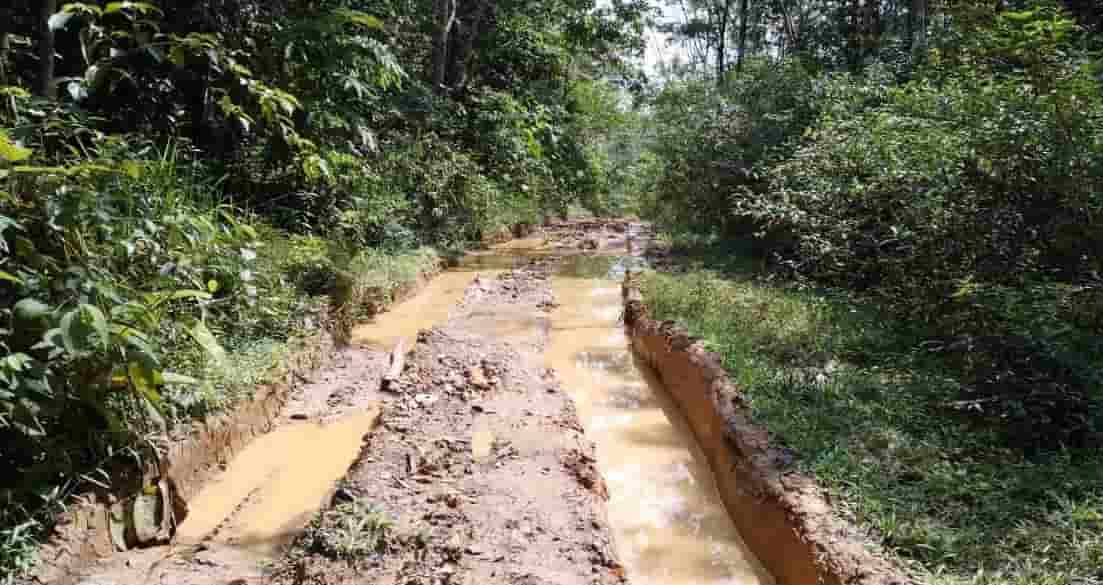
<point x="5" y="44"/>
<point x="721" y="43"/>
<point x="871" y="27"/>
<point x="46" y="87"/>
<point x="853" y="24"/>
<point x="742" y="36"/>
<point x="446" y="18"/>
<point x="917" y="21"/>
<point x="791" y="40"/>
<point x="5" y="48"/>
<point x="462" y="41"/>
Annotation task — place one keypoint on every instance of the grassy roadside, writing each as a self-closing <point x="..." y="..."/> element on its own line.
<point x="878" y="419"/>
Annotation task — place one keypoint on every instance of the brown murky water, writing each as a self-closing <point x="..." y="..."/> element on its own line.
<point x="273" y="487"/>
<point x="270" y="490"/>
<point x="422" y="311"/>
<point x="670" y="524"/>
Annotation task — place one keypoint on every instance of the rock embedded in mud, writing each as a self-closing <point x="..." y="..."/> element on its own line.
<point x="147" y="511"/>
<point x="477" y="378"/>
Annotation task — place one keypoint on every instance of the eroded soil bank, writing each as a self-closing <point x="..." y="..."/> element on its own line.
<point x="784" y="517"/>
<point x="669" y="521"/>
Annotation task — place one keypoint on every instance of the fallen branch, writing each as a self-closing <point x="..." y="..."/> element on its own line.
<point x="398" y="362"/>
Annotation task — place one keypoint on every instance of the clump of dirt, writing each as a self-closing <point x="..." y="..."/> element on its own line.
<point x="584" y="468"/>
<point x="478" y="469"/>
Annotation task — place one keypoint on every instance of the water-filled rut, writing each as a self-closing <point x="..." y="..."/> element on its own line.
<point x="670" y="524"/>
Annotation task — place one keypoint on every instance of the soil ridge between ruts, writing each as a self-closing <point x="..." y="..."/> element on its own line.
<point x="479" y="462"/>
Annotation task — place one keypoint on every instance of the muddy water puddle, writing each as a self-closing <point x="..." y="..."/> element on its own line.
<point x="272" y="488"/>
<point x="422" y="311"/>
<point x="269" y="492"/>
<point x="439" y="297"/>
<point x="670" y="524"/>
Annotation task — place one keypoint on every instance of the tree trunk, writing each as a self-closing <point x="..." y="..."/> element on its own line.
<point x="871" y="27"/>
<point x="5" y="44"/>
<point x="5" y="48"/>
<point x="46" y="87"/>
<point x="721" y="42"/>
<point x="853" y="23"/>
<point x="742" y="36"/>
<point x="462" y="43"/>
<point x="917" y="24"/>
<point x="446" y="18"/>
<point x="791" y="41"/>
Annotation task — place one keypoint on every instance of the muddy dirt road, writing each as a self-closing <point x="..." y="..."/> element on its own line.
<point x="520" y="444"/>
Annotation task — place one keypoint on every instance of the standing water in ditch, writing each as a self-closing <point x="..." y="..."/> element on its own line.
<point x="670" y="524"/>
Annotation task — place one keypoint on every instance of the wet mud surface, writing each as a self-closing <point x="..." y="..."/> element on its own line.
<point x="668" y="518"/>
<point x="477" y="463"/>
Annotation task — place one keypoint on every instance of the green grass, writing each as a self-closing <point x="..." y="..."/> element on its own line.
<point x="386" y="271"/>
<point x="879" y="421"/>
<point x="349" y="531"/>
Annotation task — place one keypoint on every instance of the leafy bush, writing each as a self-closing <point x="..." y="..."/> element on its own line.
<point x="973" y="204"/>
<point x="717" y="144"/>
<point x="121" y="273"/>
<point x="969" y="198"/>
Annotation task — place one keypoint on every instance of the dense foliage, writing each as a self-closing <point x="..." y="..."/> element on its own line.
<point x="180" y="183"/>
<point x="937" y="167"/>
<point x="961" y="184"/>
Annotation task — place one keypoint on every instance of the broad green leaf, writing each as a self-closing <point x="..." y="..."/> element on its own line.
<point x="142" y="379"/>
<point x="59" y="20"/>
<point x="10" y="277"/>
<point x="99" y="323"/>
<point x="95" y="76"/>
<point x="70" y="334"/>
<point x="190" y="294"/>
<point x="82" y="8"/>
<point x="174" y="378"/>
<point x="30" y="309"/>
<point x="14" y="91"/>
<point x="132" y="169"/>
<point x="140" y="348"/>
<point x="360" y="18"/>
<point x="29" y="170"/>
<point x="207" y="341"/>
<point x="12" y="151"/>
<point x="140" y="7"/>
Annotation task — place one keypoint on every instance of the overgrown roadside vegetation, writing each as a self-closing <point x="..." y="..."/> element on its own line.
<point x="187" y="187"/>
<point x="902" y="205"/>
<point x="883" y="422"/>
